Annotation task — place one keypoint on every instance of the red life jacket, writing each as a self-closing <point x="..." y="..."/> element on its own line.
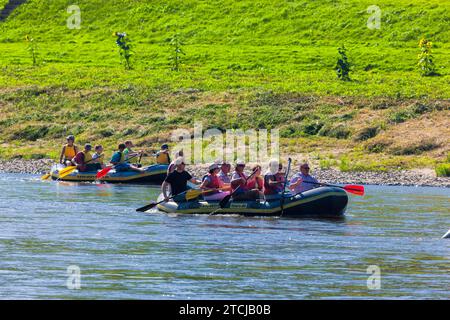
<point x="214" y="181"/>
<point x="252" y="183"/>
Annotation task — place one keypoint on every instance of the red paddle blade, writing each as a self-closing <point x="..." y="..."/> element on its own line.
<point x="355" y="189"/>
<point x="103" y="172"/>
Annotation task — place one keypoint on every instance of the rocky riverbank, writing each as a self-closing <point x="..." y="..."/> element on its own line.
<point x="422" y="177"/>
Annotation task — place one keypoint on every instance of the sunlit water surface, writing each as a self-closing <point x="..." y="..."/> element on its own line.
<point x="45" y="227"/>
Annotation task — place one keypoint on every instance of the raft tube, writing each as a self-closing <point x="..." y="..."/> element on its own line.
<point x="326" y="202"/>
<point x="447" y="235"/>
<point x="154" y="174"/>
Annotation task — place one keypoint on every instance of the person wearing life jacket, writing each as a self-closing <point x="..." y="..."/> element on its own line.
<point x="128" y="152"/>
<point x="256" y="182"/>
<point x="162" y="157"/>
<point x="119" y="162"/>
<point x="98" y="157"/>
<point x="68" y="152"/>
<point x="83" y="160"/>
<point x="273" y="182"/>
<point x="239" y="187"/>
<point x="211" y="183"/>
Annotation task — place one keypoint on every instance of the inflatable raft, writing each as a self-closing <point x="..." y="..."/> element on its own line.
<point x="153" y="174"/>
<point x="326" y="202"/>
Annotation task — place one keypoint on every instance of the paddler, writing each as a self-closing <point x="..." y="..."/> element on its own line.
<point x="98" y="157"/>
<point x="68" y="152"/>
<point x="162" y="156"/>
<point x="177" y="180"/>
<point x="224" y="174"/>
<point x="273" y="181"/>
<point x="171" y="167"/>
<point x="83" y="160"/>
<point x="239" y="187"/>
<point x="119" y="161"/>
<point x="128" y="152"/>
<point x="298" y="184"/>
<point x="212" y="183"/>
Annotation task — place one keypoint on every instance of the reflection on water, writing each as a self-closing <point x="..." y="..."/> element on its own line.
<point x="48" y="226"/>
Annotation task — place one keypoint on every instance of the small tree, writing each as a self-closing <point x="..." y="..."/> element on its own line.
<point x="32" y="49"/>
<point x="176" y="53"/>
<point x="343" y="66"/>
<point x="125" y="48"/>
<point x="425" y="58"/>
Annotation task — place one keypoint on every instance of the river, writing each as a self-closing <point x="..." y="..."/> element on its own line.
<point x="86" y="241"/>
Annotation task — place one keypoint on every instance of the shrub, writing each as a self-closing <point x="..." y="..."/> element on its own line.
<point x="32" y="49"/>
<point x="377" y="146"/>
<point x="416" y="148"/>
<point x="367" y="133"/>
<point x="443" y="170"/>
<point x="31" y="133"/>
<point x="125" y="51"/>
<point x="400" y="116"/>
<point x="312" y="127"/>
<point x="342" y="65"/>
<point x="340" y="131"/>
<point x="426" y="60"/>
<point x="105" y="133"/>
<point x="177" y="52"/>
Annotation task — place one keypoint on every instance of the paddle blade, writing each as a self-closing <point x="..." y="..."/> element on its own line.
<point x="66" y="172"/>
<point x="355" y="189"/>
<point x="67" y="169"/>
<point x="193" y="193"/>
<point x="103" y="172"/>
<point x="147" y="207"/>
<point x="224" y="201"/>
<point x="46" y="176"/>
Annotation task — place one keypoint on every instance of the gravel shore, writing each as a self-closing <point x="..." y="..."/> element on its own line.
<point x="423" y="177"/>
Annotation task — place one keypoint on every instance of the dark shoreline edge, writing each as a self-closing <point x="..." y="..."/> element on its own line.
<point x="422" y="178"/>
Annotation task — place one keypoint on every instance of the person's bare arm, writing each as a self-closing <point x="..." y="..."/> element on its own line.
<point x="62" y="154"/>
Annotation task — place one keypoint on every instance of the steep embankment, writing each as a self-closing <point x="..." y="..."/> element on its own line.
<point x="265" y="65"/>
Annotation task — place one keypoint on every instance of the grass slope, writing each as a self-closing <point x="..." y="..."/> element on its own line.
<point x="271" y="62"/>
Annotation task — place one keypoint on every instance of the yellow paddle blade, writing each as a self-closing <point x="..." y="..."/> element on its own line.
<point x="71" y="168"/>
<point x="66" y="172"/>
<point x="46" y="176"/>
<point x="193" y="193"/>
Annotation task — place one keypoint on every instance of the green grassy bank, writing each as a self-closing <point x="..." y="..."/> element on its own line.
<point x="246" y="65"/>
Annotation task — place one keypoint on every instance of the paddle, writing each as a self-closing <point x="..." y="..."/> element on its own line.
<point x="197" y="192"/>
<point x="189" y="193"/>
<point x="227" y="198"/>
<point x="284" y="185"/>
<point x="447" y="235"/>
<point x="66" y="171"/>
<point x="351" y="188"/>
<point x="46" y="176"/>
<point x="105" y="171"/>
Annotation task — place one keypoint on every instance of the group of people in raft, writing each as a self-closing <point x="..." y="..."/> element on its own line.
<point x="219" y="181"/>
<point x="217" y="184"/>
<point x="88" y="160"/>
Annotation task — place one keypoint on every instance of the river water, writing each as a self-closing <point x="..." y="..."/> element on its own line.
<point x="388" y="246"/>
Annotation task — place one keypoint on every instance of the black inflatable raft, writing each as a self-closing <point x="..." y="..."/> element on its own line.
<point x="324" y="202"/>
